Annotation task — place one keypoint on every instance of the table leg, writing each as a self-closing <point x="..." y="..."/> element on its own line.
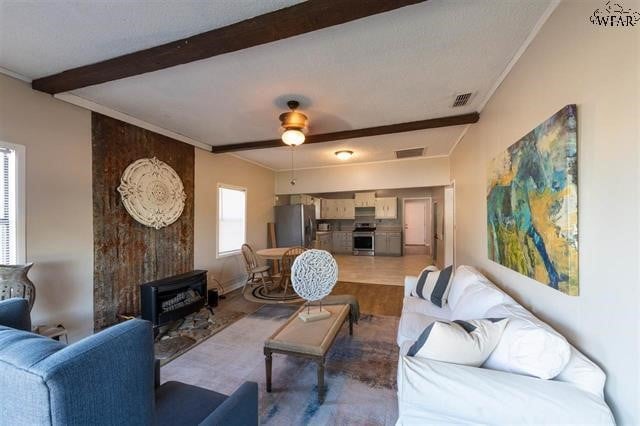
<point x="350" y="324"/>
<point x="268" y="361"/>
<point x="321" y="389"/>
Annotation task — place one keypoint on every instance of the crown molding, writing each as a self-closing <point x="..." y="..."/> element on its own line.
<point x="15" y="75"/>
<point x="101" y="109"/>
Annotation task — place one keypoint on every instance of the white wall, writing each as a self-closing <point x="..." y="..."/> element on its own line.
<point x="410" y="173"/>
<point x="59" y="213"/>
<point x="572" y="61"/>
<point x="59" y="208"/>
<point x="210" y="170"/>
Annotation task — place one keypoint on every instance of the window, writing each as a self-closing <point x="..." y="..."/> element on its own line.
<point x="232" y="219"/>
<point x="11" y="204"/>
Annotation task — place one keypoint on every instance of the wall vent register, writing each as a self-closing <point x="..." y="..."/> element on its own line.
<point x="462" y="100"/>
<point x="408" y="153"/>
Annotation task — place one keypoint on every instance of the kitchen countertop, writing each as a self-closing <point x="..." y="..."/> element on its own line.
<point x="378" y="229"/>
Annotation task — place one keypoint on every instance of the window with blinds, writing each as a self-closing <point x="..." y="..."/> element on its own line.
<point x="8" y="243"/>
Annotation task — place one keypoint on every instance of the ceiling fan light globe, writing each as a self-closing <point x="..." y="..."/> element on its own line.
<point x="293" y="137"/>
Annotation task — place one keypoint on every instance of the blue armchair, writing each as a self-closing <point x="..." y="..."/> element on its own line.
<point x="104" y="379"/>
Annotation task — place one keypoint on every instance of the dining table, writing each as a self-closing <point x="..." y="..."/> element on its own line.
<point x="273" y="254"/>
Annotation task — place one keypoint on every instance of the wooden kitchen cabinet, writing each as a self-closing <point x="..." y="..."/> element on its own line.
<point x="365" y="199"/>
<point x="342" y="242"/>
<point x="394" y="243"/>
<point x="324" y="209"/>
<point x="328" y="209"/>
<point x="301" y="199"/>
<point x="380" y="243"/>
<point x="349" y="210"/>
<point x="324" y="241"/>
<point x="386" y="208"/>
<point x="338" y="209"/>
<point x="388" y="243"/>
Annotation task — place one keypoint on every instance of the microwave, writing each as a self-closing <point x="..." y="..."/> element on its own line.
<point x="324" y="227"/>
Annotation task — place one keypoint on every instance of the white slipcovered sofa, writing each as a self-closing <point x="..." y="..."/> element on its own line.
<point x="433" y="392"/>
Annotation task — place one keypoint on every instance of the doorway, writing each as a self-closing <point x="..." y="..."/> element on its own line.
<point x="437" y="228"/>
<point x="417" y="220"/>
<point x="449" y="224"/>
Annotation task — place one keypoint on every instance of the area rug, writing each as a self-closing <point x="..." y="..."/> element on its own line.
<point x="272" y="297"/>
<point x="360" y="371"/>
<point x="178" y="337"/>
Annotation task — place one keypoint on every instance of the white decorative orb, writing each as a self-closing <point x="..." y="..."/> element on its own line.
<point x="313" y="274"/>
<point x="152" y="192"/>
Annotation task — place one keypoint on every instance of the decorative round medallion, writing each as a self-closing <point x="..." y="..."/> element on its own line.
<point x="152" y="192"/>
<point x="313" y="274"/>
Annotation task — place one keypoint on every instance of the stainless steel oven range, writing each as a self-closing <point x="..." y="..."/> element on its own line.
<point x="364" y="236"/>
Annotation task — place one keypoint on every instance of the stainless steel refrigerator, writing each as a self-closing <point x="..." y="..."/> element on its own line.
<point x="295" y="225"/>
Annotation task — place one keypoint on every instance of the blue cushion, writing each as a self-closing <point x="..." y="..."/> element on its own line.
<point x="181" y="404"/>
<point x="14" y="313"/>
<point x="23" y="349"/>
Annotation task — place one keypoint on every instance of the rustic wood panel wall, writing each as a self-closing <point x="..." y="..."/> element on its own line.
<point x="127" y="253"/>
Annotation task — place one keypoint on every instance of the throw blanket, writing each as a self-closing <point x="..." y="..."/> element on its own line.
<point x="342" y="299"/>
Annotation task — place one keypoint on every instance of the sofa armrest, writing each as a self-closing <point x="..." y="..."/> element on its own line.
<point x="103" y="378"/>
<point x="409" y="285"/>
<point x="481" y="396"/>
<point x="240" y="409"/>
<point x="14" y="313"/>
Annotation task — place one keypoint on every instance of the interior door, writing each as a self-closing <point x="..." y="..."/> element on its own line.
<point x="415" y="222"/>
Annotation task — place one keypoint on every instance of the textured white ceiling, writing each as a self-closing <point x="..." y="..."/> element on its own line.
<point x="400" y="66"/>
<point x="43" y="37"/>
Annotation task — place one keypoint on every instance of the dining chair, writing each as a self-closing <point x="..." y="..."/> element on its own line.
<point x="287" y="261"/>
<point x="256" y="273"/>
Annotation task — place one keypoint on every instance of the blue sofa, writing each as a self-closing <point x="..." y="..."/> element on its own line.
<point x="104" y="379"/>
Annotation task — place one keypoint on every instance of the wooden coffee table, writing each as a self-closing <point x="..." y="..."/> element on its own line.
<point x="311" y="340"/>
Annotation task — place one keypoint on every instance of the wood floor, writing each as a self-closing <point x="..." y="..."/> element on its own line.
<point x="380" y="269"/>
<point x="374" y="299"/>
<point x="376" y="281"/>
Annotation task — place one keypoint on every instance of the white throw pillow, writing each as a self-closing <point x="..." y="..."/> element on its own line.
<point x="477" y="299"/>
<point x="459" y="342"/>
<point x="463" y="277"/>
<point x="583" y="373"/>
<point x="433" y="285"/>
<point x="528" y="346"/>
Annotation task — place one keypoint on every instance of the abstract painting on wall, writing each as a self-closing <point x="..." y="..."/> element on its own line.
<point x="532" y="204"/>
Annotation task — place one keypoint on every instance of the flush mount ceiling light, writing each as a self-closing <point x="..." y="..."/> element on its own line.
<point x="294" y="125"/>
<point x="344" y="154"/>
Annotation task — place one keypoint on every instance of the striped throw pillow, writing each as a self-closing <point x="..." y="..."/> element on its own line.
<point x="459" y="342"/>
<point x="433" y="285"/>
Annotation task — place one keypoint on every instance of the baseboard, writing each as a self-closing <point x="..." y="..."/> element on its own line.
<point x="229" y="286"/>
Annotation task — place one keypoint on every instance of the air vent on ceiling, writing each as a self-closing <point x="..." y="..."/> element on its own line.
<point x="462" y="100"/>
<point x="413" y="152"/>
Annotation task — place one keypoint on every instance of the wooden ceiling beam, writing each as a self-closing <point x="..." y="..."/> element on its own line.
<point x="302" y="18"/>
<point x="432" y="123"/>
